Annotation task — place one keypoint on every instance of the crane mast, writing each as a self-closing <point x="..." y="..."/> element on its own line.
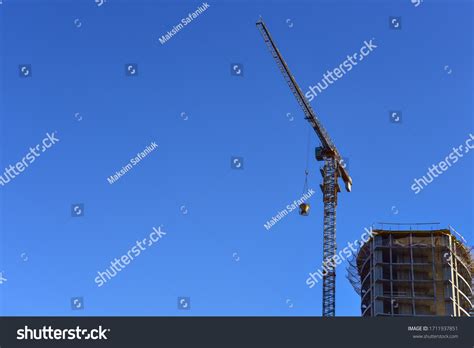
<point x="331" y="171"/>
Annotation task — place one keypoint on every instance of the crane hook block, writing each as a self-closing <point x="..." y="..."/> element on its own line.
<point x="304" y="209"/>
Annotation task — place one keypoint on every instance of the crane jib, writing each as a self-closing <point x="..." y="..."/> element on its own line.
<point x="310" y="115"/>
<point x="303" y="102"/>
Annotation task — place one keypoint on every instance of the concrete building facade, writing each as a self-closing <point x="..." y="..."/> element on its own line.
<point x="413" y="273"/>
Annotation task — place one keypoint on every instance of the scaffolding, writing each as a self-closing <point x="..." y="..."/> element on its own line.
<point x="413" y="272"/>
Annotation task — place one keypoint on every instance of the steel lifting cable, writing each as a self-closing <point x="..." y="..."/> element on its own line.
<point x="306" y="172"/>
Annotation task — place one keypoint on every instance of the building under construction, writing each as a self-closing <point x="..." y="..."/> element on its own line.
<point x="413" y="273"/>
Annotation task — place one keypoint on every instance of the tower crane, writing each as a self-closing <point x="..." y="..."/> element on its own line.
<point x="331" y="171"/>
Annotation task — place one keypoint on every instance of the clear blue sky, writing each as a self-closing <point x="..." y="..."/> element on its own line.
<point x="82" y="70"/>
